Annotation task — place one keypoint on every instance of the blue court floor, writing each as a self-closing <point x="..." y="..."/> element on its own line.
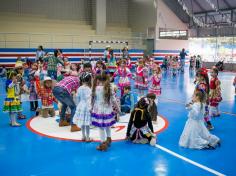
<point x="24" y="153"/>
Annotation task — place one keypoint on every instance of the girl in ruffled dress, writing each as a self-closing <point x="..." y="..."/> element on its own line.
<point x="82" y="117"/>
<point x="195" y="134"/>
<point x="124" y="74"/>
<point x="103" y="115"/>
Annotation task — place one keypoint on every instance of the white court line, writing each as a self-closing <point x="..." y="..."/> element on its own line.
<point x="190" y="161"/>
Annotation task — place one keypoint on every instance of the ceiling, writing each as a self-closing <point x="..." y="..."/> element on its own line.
<point x="220" y="23"/>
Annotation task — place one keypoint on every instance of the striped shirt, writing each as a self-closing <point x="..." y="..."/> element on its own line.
<point x="69" y="83"/>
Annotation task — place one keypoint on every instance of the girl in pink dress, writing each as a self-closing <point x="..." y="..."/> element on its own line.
<point x="155" y="80"/>
<point x="124" y="73"/>
<point x="141" y="82"/>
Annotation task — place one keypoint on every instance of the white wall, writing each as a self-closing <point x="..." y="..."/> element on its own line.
<point x="141" y="15"/>
<point x="117" y="12"/>
<point x="53" y="9"/>
<point x="167" y="19"/>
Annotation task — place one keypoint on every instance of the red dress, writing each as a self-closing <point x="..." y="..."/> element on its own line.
<point x="141" y="78"/>
<point x="215" y="92"/>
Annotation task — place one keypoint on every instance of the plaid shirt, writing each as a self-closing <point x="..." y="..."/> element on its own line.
<point x="52" y="62"/>
<point x="69" y="83"/>
<point x="47" y="97"/>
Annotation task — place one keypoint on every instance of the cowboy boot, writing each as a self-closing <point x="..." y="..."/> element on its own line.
<point x="108" y="141"/>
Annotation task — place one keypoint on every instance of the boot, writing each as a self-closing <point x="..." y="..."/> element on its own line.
<point x="108" y="141"/>
<point x="74" y="128"/>
<point x="63" y="123"/>
<point x="102" y="147"/>
<point x="209" y="126"/>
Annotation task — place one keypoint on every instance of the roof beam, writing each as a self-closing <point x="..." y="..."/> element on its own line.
<point x="199" y="5"/>
<point x="213" y="11"/>
<point x="227" y="3"/>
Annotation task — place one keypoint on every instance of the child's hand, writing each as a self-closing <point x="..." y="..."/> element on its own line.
<point x="14" y="80"/>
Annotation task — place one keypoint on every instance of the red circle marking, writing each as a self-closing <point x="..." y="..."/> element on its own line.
<point x="76" y="140"/>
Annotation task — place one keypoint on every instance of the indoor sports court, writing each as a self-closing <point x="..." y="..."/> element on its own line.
<point x="117" y="87"/>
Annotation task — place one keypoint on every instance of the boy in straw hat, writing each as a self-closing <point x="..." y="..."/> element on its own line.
<point x="47" y="98"/>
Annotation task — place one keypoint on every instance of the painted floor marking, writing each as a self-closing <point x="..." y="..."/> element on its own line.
<point x="189" y="161"/>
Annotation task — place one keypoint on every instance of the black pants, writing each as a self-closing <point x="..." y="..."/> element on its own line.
<point x="33" y="105"/>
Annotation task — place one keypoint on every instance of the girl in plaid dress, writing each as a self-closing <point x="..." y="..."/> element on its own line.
<point x="82" y="116"/>
<point x="141" y="77"/>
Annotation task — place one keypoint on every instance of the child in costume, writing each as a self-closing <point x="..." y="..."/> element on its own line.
<point x="100" y="67"/>
<point x="47" y="98"/>
<point x="52" y="62"/>
<point x="152" y="108"/>
<point x="33" y="96"/>
<point x="192" y="63"/>
<point x="126" y="100"/>
<point x="140" y="129"/>
<point x="124" y="74"/>
<point x="155" y="80"/>
<point x="82" y="117"/>
<point x="141" y="82"/>
<point x="215" y="94"/>
<point x="174" y="66"/>
<point x="202" y="83"/>
<point x="12" y="104"/>
<point x="21" y="87"/>
<point x="102" y="114"/>
<point x="195" y="134"/>
<point x="234" y="84"/>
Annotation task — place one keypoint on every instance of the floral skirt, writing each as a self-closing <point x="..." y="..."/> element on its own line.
<point x="123" y="81"/>
<point x="155" y="89"/>
<point x="12" y="105"/>
<point x="141" y="83"/>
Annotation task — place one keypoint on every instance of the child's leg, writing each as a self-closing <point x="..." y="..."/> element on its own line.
<point x="102" y="134"/>
<point x="44" y="112"/>
<point x="122" y="91"/>
<point x="32" y="106"/>
<point x="87" y="128"/>
<point x="83" y="132"/>
<point x="51" y="112"/>
<point x="13" y="120"/>
<point x="36" y="104"/>
<point x="108" y="132"/>
<point x="217" y="110"/>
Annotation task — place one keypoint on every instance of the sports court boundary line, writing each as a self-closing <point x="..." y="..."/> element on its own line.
<point x="189" y="161"/>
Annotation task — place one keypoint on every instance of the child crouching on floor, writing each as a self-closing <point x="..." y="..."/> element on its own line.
<point x="152" y="108"/>
<point x="126" y="100"/>
<point x="47" y="98"/>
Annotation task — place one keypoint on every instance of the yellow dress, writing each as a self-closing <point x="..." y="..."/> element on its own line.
<point x="12" y="102"/>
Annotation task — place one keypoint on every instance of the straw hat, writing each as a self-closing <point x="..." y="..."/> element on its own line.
<point x="47" y="78"/>
<point x="19" y="65"/>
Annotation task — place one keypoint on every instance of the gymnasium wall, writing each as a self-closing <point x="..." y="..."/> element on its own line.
<point x="167" y="19"/>
<point x="53" y="9"/>
<point x="117" y="12"/>
<point x="141" y="15"/>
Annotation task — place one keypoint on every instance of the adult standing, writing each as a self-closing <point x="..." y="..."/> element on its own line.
<point x="63" y="92"/>
<point x="182" y="55"/>
<point x="125" y="52"/>
<point x="52" y="62"/>
<point x="40" y="53"/>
